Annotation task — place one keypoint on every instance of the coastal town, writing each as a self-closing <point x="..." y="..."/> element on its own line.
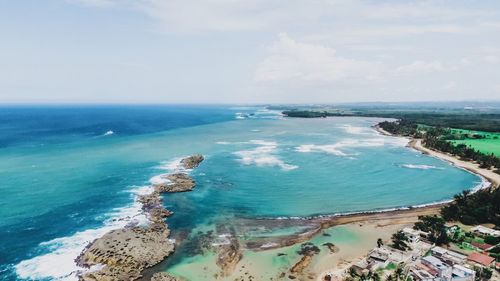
<point x="433" y="249"/>
<point x="411" y="255"/>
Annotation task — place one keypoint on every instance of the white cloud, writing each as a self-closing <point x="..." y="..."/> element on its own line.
<point x="94" y="3"/>
<point x="290" y="59"/>
<point x="275" y="15"/>
<point x="421" y="66"/>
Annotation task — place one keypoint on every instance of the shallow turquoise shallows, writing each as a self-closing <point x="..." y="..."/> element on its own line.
<point x="59" y="194"/>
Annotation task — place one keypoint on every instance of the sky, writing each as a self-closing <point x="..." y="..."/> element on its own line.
<point x="242" y="51"/>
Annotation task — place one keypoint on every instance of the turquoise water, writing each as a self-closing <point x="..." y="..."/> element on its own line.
<point x="61" y="193"/>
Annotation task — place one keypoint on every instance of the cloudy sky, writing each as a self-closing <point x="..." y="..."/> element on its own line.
<point x="243" y="51"/>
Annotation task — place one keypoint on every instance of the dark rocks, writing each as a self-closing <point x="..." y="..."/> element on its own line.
<point x="332" y="247"/>
<point x="180" y="182"/>
<point x="192" y="162"/>
<point x="125" y="253"/>
<point x="163" y="276"/>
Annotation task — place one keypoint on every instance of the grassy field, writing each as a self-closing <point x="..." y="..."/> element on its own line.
<point x="490" y="143"/>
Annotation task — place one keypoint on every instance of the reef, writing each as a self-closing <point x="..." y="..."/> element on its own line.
<point x="122" y="254"/>
<point x="192" y="162"/>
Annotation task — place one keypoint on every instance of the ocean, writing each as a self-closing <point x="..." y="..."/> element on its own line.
<point x="70" y="174"/>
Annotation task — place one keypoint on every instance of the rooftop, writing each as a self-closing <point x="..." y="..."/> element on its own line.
<point x="481" y="259"/>
<point x="486" y="230"/>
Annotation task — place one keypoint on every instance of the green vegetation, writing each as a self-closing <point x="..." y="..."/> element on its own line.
<point x="471" y="116"/>
<point x="402" y="127"/>
<point x="437" y="138"/>
<point x="485" y="142"/>
<point x="483" y="273"/>
<point x="477" y="208"/>
<point x="399" y="241"/>
<point x="314" y="113"/>
<point x="436" y="228"/>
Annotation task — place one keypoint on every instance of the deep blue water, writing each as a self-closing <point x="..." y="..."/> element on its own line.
<point x="35" y="125"/>
<point x="51" y="185"/>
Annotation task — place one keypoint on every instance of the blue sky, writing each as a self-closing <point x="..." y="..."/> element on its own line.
<point x="261" y="51"/>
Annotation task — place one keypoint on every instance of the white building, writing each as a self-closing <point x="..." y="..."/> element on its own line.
<point x="414" y="235"/>
<point x="444" y="271"/>
<point x="485" y="231"/>
<point x="447" y="256"/>
<point x="462" y="273"/>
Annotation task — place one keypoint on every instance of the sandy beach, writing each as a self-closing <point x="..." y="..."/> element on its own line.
<point x="416" y="144"/>
<point x="490" y="175"/>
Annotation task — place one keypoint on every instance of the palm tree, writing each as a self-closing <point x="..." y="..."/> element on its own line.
<point x="380" y="242"/>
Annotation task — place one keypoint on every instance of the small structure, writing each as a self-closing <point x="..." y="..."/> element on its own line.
<point x="462" y="273"/>
<point x="361" y="267"/>
<point x="482" y="247"/>
<point x="422" y="273"/>
<point x="447" y="256"/>
<point x="443" y="270"/>
<point x="481" y="259"/>
<point x="414" y="235"/>
<point x="485" y="231"/>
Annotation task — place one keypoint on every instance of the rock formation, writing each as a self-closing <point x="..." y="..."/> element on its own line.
<point x="163" y="276"/>
<point x="179" y="182"/>
<point x="192" y="162"/>
<point x="122" y="254"/>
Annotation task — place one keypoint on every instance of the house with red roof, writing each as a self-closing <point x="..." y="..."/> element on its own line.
<point x="481" y="259"/>
<point x="482" y="246"/>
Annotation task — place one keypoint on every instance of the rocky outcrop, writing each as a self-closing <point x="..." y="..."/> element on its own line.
<point x="179" y="182"/>
<point x="333" y="249"/>
<point x="192" y="162"/>
<point x="122" y="254"/>
<point x="228" y="249"/>
<point x="163" y="276"/>
<point x="302" y="264"/>
<point x="126" y="252"/>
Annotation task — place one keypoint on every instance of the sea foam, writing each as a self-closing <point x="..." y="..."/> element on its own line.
<point x="63" y="251"/>
<point x="263" y="155"/>
<point x="420" y="167"/>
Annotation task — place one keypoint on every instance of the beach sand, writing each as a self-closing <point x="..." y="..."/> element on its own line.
<point x="354" y="235"/>
<point x="490" y="175"/>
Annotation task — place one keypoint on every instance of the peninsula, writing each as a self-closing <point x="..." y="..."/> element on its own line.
<point x="122" y="254"/>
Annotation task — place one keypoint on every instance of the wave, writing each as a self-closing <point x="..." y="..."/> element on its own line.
<point x="335" y="148"/>
<point x="63" y="251"/>
<point x="240" y="115"/>
<point x="356" y="130"/>
<point x="263" y="155"/>
<point x="108" y="133"/>
<point x="421" y="167"/>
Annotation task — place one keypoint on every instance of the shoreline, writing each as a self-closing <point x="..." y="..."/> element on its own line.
<point x="381" y="218"/>
<point x="322" y="222"/>
<point x="124" y="253"/>
<point x="416" y="144"/>
<point x="492" y="177"/>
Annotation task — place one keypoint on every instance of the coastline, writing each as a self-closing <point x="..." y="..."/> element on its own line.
<point x="489" y="175"/>
<point x="124" y="253"/>
<point x="370" y="225"/>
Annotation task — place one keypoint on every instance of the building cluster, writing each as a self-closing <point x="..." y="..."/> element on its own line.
<point x="427" y="262"/>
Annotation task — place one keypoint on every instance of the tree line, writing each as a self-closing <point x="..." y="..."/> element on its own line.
<point x="435" y="138"/>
